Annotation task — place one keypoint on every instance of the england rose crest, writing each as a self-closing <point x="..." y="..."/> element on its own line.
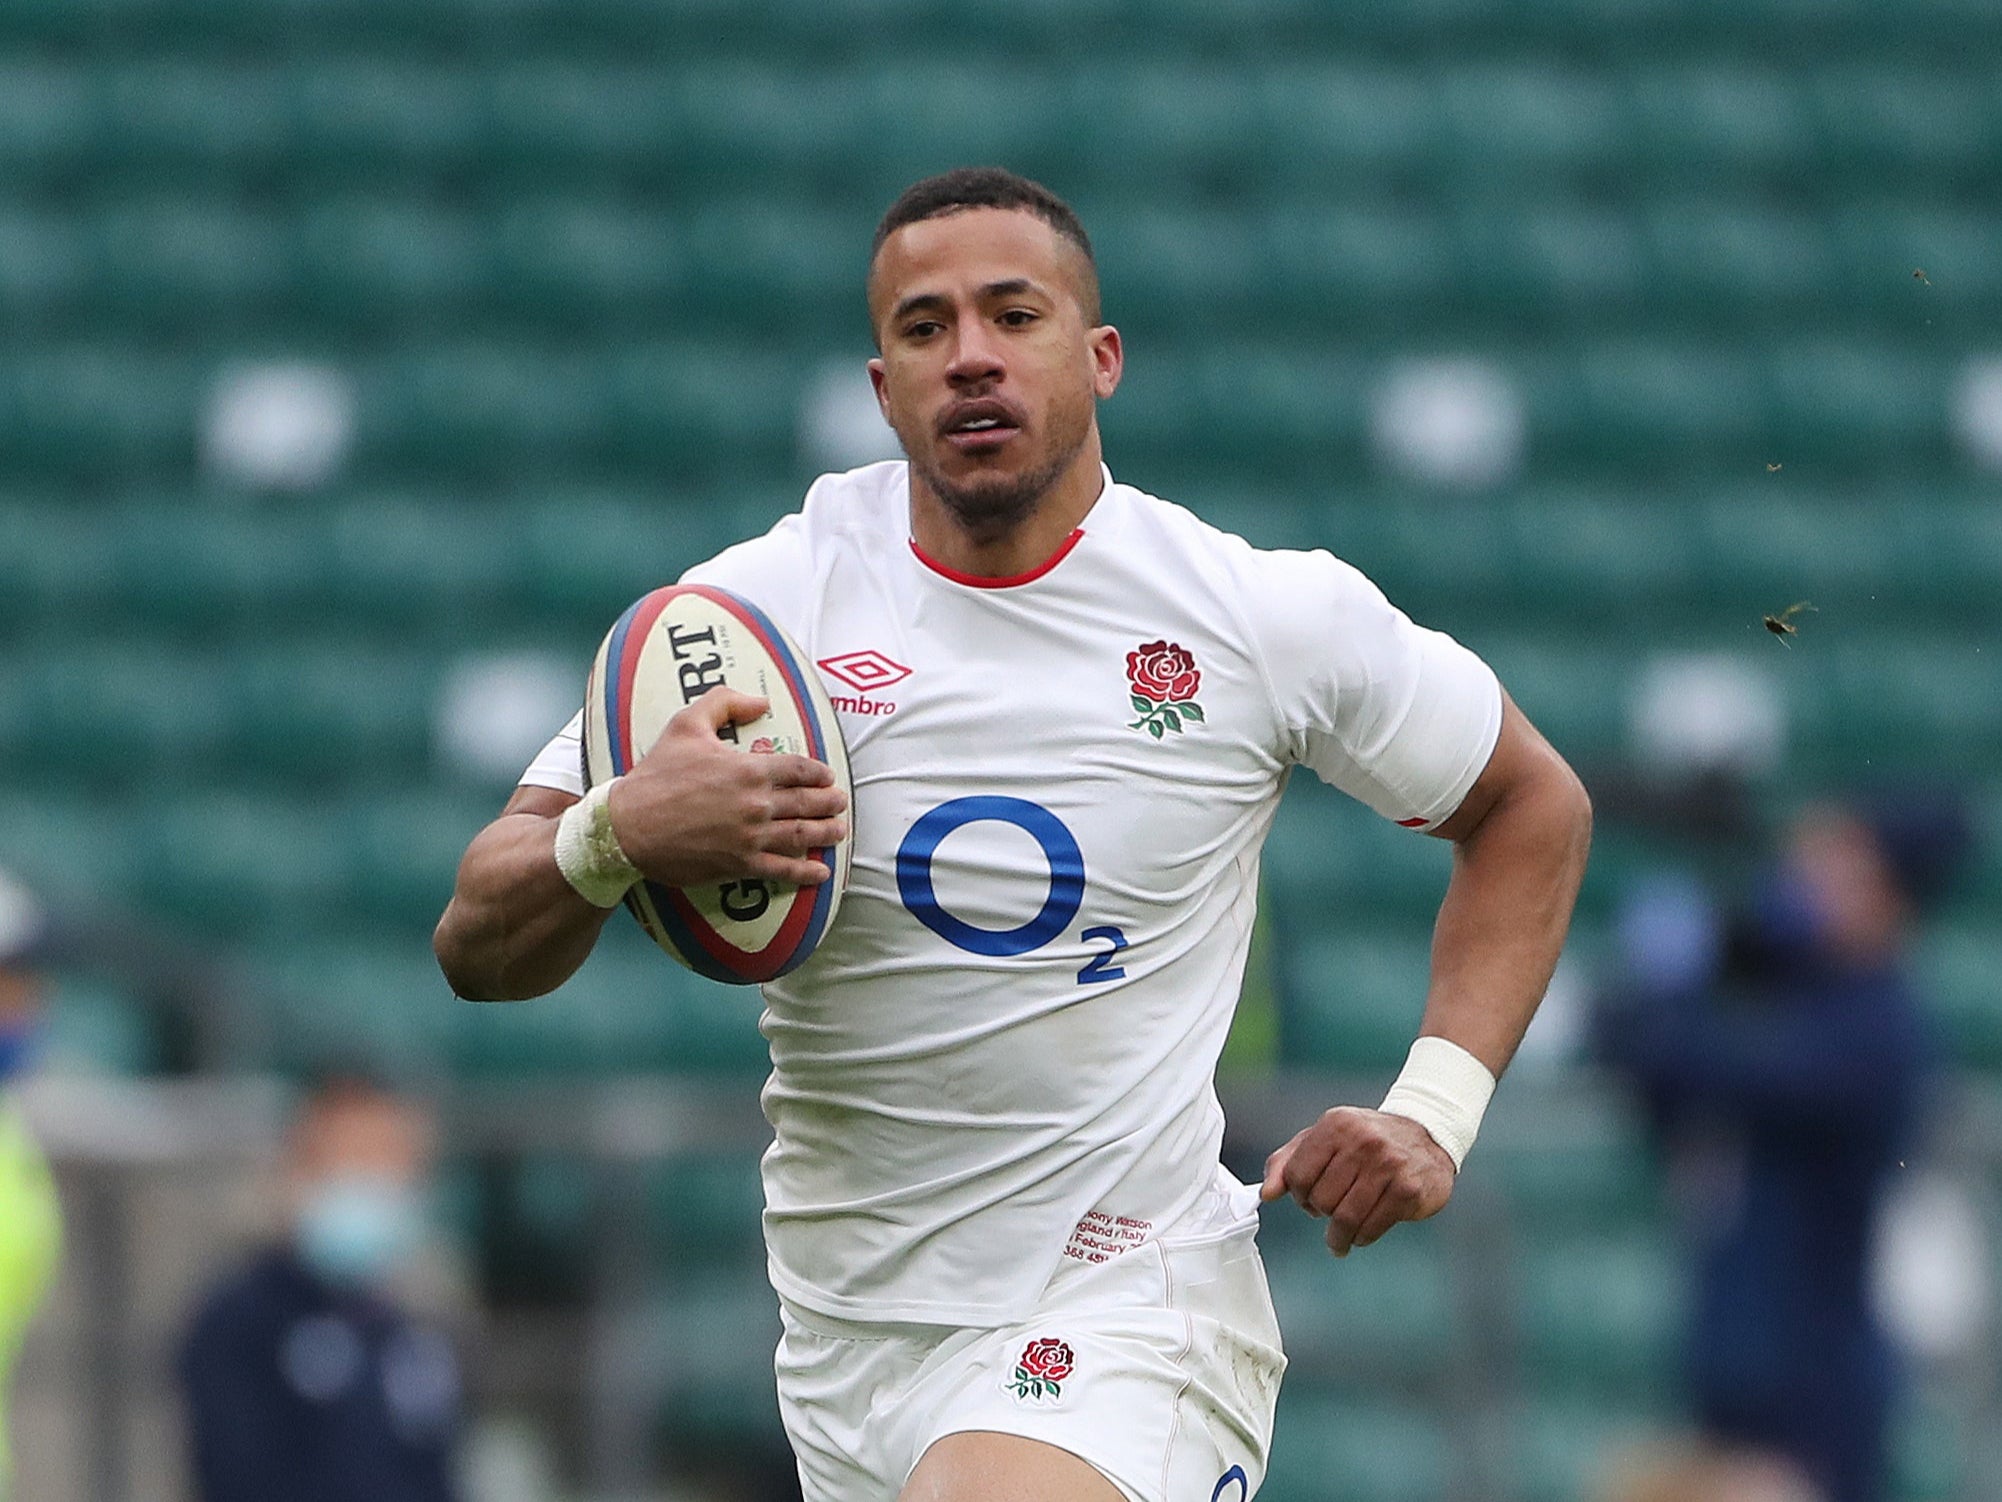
<point x="1162" y="678"/>
<point x="1041" y="1369"/>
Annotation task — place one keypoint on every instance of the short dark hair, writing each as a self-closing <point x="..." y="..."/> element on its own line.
<point x="990" y="188"/>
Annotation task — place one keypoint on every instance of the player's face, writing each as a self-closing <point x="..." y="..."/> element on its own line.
<point x="989" y="371"/>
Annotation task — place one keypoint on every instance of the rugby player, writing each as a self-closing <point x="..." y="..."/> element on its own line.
<point x="1009" y="1263"/>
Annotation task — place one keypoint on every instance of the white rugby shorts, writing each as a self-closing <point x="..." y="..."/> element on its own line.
<point x="1160" y="1367"/>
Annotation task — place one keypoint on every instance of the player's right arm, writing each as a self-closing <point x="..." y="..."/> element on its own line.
<point x="693" y="810"/>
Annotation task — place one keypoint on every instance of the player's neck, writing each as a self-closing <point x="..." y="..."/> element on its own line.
<point x="944" y="540"/>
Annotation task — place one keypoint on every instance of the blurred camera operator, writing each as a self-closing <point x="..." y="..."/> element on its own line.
<point x="1783" y="1056"/>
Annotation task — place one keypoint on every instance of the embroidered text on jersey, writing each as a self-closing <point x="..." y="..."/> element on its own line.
<point x="865" y="672"/>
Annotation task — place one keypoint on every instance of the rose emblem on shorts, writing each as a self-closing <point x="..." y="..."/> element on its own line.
<point x="1162" y="679"/>
<point x="1041" y="1368"/>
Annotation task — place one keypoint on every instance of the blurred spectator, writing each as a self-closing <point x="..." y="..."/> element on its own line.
<point x="1697" y="1474"/>
<point x="30" y="1226"/>
<point x="1783" y="1056"/>
<point x="305" y="1377"/>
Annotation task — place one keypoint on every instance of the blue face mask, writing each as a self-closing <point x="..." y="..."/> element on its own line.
<point x="18" y="1042"/>
<point x="353" y="1228"/>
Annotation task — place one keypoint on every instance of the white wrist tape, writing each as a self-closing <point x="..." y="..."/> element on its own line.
<point x="588" y="853"/>
<point x="1446" y="1090"/>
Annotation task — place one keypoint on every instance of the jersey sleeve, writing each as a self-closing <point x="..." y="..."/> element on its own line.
<point x="560" y="764"/>
<point x="1399" y="717"/>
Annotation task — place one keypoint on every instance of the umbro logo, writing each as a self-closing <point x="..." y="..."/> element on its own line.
<point x="865" y="672"/>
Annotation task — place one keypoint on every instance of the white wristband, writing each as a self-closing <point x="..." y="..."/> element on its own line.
<point x="588" y="853"/>
<point x="1446" y="1090"/>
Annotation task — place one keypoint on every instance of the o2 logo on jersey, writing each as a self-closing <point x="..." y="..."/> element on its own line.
<point x="1066" y="896"/>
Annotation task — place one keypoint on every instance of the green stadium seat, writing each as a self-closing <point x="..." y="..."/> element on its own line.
<point x="1857" y="404"/>
<point x="629" y="1009"/>
<point x="714" y="1332"/>
<point x="1582" y="1163"/>
<point x="1351" y="999"/>
<point x="333" y="711"/>
<point x="378" y="118"/>
<point x="440" y="563"/>
<point x="1957" y="963"/>
<point x="1529" y="120"/>
<point x="487" y="412"/>
<point x="43" y="267"/>
<point x="704" y="410"/>
<point x="197" y="121"/>
<point x="1383" y="1319"/>
<point x="1892" y="120"/>
<point x="706" y="1209"/>
<point x="338" y="998"/>
<point x="1567" y="1448"/>
<point x="1377" y="1450"/>
<point x="784" y="259"/>
<point x="1575" y="692"/>
<point x="1700" y="124"/>
<point x="190" y="564"/>
<point x="558" y="260"/>
<point x="1342" y="119"/>
<point x="1600" y="1313"/>
<point x="57" y="562"/>
<point x="1934" y="1451"/>
<point x="571" y="123"/>
<point x="183" y="263"/>
<point x="228" y="863"/>
<point x="119" y="711"/>
<point x="1365" y="261"/>
<point x="1750" y="260"/>
<point x="400" y="852"/>
<point x="391" y="262"/>
<point x="97" y="413"/>
<point x="1431" y="554"/>
<point x="1578" y="553"/>
<point x="1641" y="403"/>
<point x="95" y="1027"/>
<point x="1884" y="243"/>
<point x="1331" y="861"/>
<point x="67" y="839"/>
<point x="1562" y="260"/>
<point x="49" y="117"/>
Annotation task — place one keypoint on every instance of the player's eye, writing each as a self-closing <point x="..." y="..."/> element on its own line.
<point x="924" y="328"/>
<point x="1016" y="318"/>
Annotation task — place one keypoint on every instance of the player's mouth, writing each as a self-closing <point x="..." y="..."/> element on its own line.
<point x="980" y="426"/>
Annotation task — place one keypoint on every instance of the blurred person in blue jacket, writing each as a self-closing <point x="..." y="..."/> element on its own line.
<point x="30" y="1222"/>
<point x="1783" y="1056"/>
<point x="305" y="1377"/>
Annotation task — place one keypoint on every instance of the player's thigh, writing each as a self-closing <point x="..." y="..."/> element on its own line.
<point x="983" y="1466"/>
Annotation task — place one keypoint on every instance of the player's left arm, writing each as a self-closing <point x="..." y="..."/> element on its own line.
<point x="1520" y="839"/>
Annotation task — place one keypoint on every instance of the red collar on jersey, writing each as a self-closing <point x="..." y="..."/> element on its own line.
<point x="978" y="581"/>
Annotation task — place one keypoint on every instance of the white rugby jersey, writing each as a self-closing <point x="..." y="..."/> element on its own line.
<point x="1003" y="1052"/>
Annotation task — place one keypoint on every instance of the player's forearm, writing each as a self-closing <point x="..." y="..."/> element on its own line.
<point x="1507" y="910"/>
<point x="514" y="927"/>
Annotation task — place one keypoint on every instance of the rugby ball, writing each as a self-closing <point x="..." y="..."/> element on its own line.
<point x="667" y="651"/>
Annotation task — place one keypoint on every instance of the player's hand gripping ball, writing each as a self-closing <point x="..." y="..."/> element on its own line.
<point x="670" y="649"/>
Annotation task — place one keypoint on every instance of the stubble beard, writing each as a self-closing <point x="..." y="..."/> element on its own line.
<point x="988" y="508"/>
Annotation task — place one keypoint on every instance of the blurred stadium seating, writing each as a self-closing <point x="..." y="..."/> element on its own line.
<point x="575" y="262"/>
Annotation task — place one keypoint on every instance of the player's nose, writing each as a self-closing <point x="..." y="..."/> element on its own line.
<point x="976" y="356"/>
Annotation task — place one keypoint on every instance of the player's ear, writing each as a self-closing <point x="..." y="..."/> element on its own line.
<point x="1108" y="360"/>
<point x="879" y="379"/>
